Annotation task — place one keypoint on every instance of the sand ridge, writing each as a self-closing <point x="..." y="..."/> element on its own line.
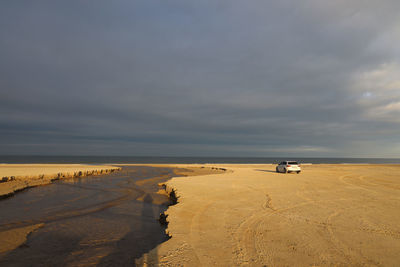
<point x="11" y="239"/>
<point x="327" y="215"/>
<point x="16" y="177"/>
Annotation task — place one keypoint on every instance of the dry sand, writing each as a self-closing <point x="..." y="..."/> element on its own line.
<point x="15" y="177"/>
<point x="343" y="215"/>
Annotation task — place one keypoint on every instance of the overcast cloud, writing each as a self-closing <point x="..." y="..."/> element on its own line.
<point x="200" y="78"/>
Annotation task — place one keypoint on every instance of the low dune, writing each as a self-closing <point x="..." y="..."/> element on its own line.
<point x="16" y="177"/>
<point x="343" y="215"/>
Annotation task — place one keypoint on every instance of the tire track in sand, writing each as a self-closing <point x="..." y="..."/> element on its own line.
<point x="349" y="255"/>
<point x="251" y="246"/>
<point x="195" y="227"/>
<point x="250" y="240"/>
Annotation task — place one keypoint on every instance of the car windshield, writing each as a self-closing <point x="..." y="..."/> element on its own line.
<point x="292" y="163"/>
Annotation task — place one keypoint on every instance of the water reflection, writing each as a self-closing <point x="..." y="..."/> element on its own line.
<point x="106" y="221"/>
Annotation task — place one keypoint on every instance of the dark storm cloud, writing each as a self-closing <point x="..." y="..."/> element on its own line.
<point x="236" y="78"/>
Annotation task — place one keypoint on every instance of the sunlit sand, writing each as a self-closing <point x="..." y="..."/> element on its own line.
<point x="342" y="215"/>
<point x="16" y="177"/>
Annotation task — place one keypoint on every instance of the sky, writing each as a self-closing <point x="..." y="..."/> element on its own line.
<point x="233" y="78"/>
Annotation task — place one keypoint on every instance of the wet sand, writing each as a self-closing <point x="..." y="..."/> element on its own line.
<point x="12" y="239"/>
<point x="16" y="177"/>
<point x="106" y="220"/>
<point x="329" y="215"/>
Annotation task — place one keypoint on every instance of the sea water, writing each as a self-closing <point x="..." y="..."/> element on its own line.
<point x="188" y="160"/>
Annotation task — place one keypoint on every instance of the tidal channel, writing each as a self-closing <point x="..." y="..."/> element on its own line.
<point x="107" y="220"/>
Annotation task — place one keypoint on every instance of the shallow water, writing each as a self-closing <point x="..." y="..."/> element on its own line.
<point x="107" y="220"/>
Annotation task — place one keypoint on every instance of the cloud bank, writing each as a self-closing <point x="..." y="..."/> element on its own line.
<point x="214" y="78"/>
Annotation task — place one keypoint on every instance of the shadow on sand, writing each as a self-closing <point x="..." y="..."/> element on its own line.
<point x="141" y="238"/>
<point x="266" y="171"/>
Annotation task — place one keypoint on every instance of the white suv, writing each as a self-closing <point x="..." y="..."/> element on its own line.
<point x="288" y="166"/>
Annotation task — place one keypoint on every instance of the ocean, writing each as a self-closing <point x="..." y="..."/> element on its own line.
<point x="187" y="160"/>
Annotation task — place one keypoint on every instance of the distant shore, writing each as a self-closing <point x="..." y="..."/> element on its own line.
<point x="17" y="177"/>
<point x="107" y="160"/>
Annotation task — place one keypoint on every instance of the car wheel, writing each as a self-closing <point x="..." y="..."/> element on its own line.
<point x="276" y="169"/>
<point x="298" y="172"/>
<point x="284" y="170"/>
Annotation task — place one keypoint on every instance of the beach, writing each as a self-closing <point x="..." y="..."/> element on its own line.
<point x="117" y="214"/>
<point x="336" y="214"/>
<point x="222" y="215"/>
<point x="16" y="177"/>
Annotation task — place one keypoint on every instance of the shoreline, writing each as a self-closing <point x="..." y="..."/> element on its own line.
<point x="188" y="160"/>
<point x="327" y="215"/>
<point x="128" y="204"/>
<point x="18" y="177"/>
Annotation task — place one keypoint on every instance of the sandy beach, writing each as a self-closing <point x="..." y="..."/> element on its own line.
<point x="16" y="177"/>
<point x="343" y="215"/>
<point x="247" y="214"/>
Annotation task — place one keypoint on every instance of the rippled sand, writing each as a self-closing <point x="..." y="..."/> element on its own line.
<point x="345" y="215"/>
